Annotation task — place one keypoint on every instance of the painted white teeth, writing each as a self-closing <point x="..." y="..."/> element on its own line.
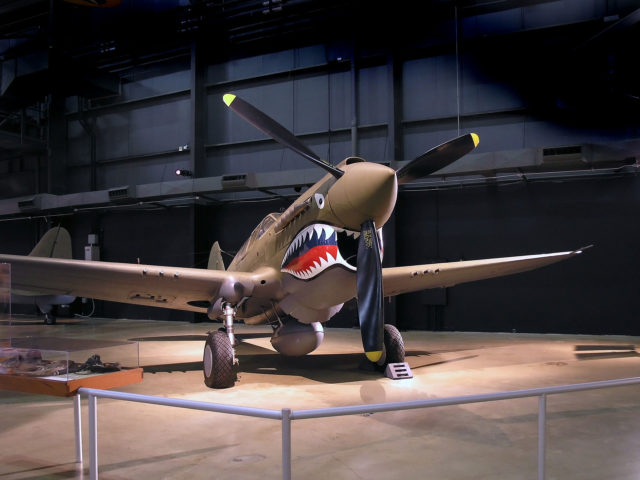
<point x="325" y="261"/>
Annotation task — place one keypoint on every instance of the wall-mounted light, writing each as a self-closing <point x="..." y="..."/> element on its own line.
<point x="181" y="172"/>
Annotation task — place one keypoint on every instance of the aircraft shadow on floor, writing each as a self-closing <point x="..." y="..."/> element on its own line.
<point x="193" y="338"/>
<point x="171" y="338"/>
<point x="326" y="368"/>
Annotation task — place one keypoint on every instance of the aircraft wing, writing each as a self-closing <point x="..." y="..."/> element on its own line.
<point x="170" y="287"/>
<point x="397" y="280"/>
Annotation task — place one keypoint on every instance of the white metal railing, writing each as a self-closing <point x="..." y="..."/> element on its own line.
<point x="286" y="415"/>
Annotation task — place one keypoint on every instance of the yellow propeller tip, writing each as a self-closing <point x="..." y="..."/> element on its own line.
<point x="374" y="356"/>
<point x="228" y="98"/>
<point x="476" y="139"/>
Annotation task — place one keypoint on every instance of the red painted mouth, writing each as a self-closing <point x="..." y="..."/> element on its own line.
<point x="318" y="247"/>
<point x="312" y="258"/>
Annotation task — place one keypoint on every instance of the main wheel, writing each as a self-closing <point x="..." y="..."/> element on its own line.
<point x="218" y="361"/>
<point x="393" y="344"/>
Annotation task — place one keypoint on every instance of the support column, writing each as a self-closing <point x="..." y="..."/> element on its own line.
<point x="57" y="157"/>
<point x="57" y="141"/>
<point x="198" y="111"/>
<point x="354" y="104"/>
<point x="89" y="126"/>
<point x="197" y="160"/>
<point x="394" y="133"/>
<point x="394" y="115"/>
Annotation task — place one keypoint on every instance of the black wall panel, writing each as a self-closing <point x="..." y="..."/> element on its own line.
<point x="595" y="293"/>
<point x="155" y="237"/>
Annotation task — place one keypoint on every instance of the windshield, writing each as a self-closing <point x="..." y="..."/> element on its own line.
<point x="258" y="232"/>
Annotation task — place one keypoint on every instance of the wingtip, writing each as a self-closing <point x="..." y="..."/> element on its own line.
<point x="580" y="250"/>
<point x="228" y="98"/>
<point x="476" y="139"/>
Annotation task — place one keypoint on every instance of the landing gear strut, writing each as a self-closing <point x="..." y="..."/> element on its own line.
<point x="229" y="315"/>
<point x="219" y="356"/>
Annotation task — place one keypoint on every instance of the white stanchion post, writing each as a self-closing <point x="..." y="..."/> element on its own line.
<point x="542" y="435"/>
<point x="77" y="423"/>
<point x="93" y="437"/>
<point x="286" y="444"/>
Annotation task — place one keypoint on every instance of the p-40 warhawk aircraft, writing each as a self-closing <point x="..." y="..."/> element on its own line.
<point x="297" y="268"/>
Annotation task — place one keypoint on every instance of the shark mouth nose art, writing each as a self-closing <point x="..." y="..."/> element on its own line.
<point x="318" y="247"/>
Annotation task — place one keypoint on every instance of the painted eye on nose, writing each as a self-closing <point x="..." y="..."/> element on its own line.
<point x="319" y="200"/>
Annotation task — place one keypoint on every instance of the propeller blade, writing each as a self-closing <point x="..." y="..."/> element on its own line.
<point x="437" y="158"/>
<point x="276" y="131"/>
<point x="369" y="290"/>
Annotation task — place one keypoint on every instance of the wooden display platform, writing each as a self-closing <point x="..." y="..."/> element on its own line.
<point x="67" y="386"/>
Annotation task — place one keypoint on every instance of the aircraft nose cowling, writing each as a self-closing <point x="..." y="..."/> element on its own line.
<point x="366" y="191"/>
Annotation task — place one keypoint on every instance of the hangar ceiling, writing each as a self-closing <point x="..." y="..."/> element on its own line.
<point x="54" y="52"/>
<point x="110" y="40"/>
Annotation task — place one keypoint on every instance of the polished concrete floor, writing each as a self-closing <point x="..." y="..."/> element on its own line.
<point x="591" y="435"/>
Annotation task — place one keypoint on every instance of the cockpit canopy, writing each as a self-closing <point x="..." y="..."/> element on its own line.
<point x="258" y="232"/>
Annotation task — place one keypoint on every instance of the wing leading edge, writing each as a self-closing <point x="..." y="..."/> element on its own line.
<point x="169" y="287"/>
<point x="397" y="280"/>
<point x="193" y="289"/>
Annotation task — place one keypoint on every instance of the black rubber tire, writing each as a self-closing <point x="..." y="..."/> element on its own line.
<point x="49" y="319"/>
<point x="393" y="344"/>
<point x="217" y="361"/>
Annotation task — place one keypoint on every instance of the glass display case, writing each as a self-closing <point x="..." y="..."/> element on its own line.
<point x="65" y="359"/>
<point x="50" y="365"/>
<point x="59" y="366"/>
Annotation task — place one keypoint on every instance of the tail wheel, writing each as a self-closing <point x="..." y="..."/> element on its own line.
<point x="393" y="344"/>
<point x="218" y="361"/>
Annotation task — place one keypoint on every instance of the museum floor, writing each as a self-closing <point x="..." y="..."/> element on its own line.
<point x="591" y="435"/>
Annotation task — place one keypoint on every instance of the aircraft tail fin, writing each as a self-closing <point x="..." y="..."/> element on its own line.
<point x="56" y="243"/>
<point x="215" y="258"/>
